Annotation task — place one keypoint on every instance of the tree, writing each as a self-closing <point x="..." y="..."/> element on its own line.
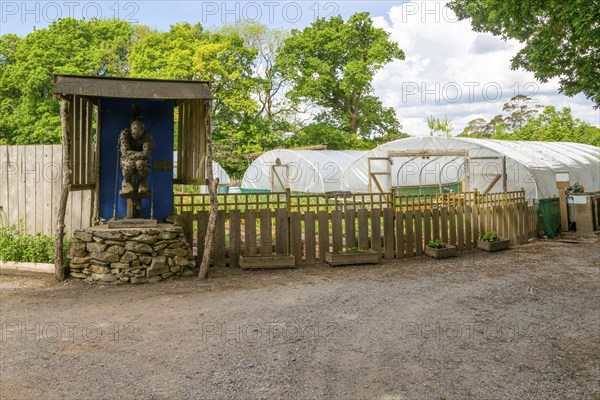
<point x="441" y="126"/>
<point x="28" y="112"/>
<point x="475" y="128"/>
<point x="331" y="65"/>
<point x="562" y="38"/>
<point x="554" y="125"/>
<point x="189" y="52"/>
<point x="520" y="109"/>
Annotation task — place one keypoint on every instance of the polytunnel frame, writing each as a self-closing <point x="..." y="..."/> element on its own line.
<point x="466" y="165"/>
<point x="412" y="154"/>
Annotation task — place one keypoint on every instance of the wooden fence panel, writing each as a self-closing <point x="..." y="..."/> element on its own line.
<point x="475" y="225"/>
<point x="235" y="237"/>
<point x="309" y="238"/>
<point x="514" y="225"/>
<point x="31" y="175"/>
<point x="202" y="223"/>
<point x="418" y="232"/>
<point x="376" y="230"/>
<point x="436" y="224"/>
<point x="410" y="239"/>
<point x="363" y="228"/>
<point x="30" y="186"/>
<point x="523" y="223"/>
<point x="468" y="227"/>
<point x="4" y="195"/>
<point x="296" y="247"/>
<point x="388" y="233"/>
<point x="220" y="248"/>
<point x="498" y="219"/>
<point x="266" y="238"/>
<point x="444" y="225"/>
<point x="400" y="234"/>
<point x="250" y="232"/>
<point x="404" y="231"/>
<point x="350" y="229"/>
<point x="452" y="218"/>
<point x="426" y="226"/>
<point x="50" y="183"/>
<point x="281" y="231"/>
<point x="460" y="219"/>
<point x="336" y="231"/>
<point x="323" y="235"/>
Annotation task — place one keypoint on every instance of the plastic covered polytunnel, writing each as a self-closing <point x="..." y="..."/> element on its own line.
<point x="306" y="171"/>
<point x="437" y="164"/>
<point x="218" y="171"/>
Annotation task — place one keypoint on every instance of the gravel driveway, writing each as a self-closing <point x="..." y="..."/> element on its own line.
<point x="518" y="324"/>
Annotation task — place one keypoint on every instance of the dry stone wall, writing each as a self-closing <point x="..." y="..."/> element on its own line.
<point x="130" y="255"/>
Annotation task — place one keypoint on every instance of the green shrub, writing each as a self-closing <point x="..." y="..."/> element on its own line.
<point x="490" y="236"/>
<point x="15" y="245"/>
<point x="437" y="244"/>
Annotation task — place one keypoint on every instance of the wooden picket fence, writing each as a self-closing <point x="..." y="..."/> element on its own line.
<point x="302" y="202"/>
<point x="396" y="233"/>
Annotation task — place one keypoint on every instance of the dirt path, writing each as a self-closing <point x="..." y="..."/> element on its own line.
<point x="518" y="324"/>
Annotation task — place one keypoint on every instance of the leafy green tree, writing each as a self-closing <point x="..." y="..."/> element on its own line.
<point x="520" y="109"/>
<point x="28" y="112"/>
<point x="189" y="52"/>
<point x="475" y="128"/>
<point x="562" y="38"/>
<point x="437" y="125"/>
<point x="554" y="125"/>
<point x="331" y="65"/>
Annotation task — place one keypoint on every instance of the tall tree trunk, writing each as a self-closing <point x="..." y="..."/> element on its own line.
<point x="214" y="201"/>
<point x="59" y="269"/>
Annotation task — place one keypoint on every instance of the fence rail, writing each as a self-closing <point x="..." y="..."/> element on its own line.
<point x="396" y="233"/>
<point x="341" y="201"/>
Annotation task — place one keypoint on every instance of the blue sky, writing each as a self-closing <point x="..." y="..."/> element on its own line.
<point x="449" y="69"/>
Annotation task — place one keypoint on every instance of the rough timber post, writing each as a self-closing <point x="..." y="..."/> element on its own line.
<point x="214" y="201"/>
<point x="59" y="269"/>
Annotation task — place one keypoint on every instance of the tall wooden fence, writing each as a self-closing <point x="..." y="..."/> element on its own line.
<point x="396" y="233"/>
<point x="30" y="186"/>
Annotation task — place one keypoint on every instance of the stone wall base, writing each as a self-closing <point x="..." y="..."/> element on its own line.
<point x="130" y="255"/>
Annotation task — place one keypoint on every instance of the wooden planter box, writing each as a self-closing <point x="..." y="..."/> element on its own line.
<point x="448" y="251"/>
<point x="501" y="244"/>
<point x="273" y="261"/>
<point x="336" y="259"/>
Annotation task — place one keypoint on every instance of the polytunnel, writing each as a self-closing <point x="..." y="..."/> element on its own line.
<point x="430" y="164"/>
<point x="306" y="171"/>
<point x="218" y="171"/>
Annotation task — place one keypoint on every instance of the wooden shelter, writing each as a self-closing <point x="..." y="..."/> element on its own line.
<point x="93" y="112"/>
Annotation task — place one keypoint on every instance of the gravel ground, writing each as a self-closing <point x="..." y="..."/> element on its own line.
<point x="518" y="324"/>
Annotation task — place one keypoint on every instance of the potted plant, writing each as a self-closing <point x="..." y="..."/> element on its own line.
<point x="438" y="249"/>
<point x="490" y="241"/>
<point x="353" y="256"/>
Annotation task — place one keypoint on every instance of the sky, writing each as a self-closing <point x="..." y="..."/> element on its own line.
<point x="449" y="70"/>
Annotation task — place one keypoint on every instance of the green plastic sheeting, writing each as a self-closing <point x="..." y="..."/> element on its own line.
<point x="549" y="218"/>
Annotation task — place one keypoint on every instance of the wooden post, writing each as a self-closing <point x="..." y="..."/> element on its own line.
<point x="562" y="198"/>
<point x="59" y="269"/>
<point x="214" y="201"/>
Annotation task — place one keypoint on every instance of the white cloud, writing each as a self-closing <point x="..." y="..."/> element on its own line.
<point x="454" y="71"/>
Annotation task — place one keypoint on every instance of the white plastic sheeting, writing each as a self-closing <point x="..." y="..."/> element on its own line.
<point x="529" y="165"/>
<point x="307" y="171"/>
<point x="218" y="171"/>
